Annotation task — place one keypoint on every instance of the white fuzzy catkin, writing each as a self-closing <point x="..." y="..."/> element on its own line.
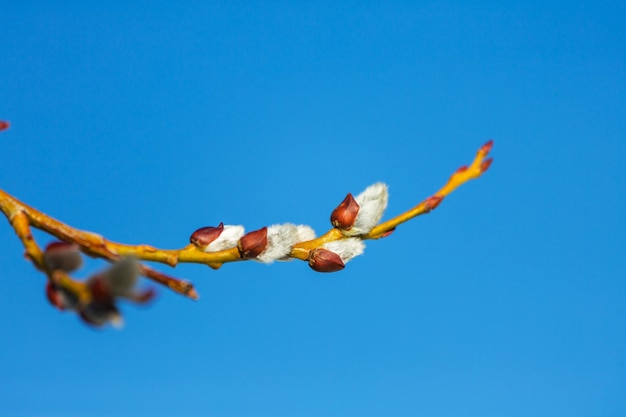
<point x="372" y="204"/>
<point x="122" y="276"/>
<point x="227" y="239"/>
<point x="346" y="248"/>
<point x="280" y="240"/>
<point x="305" y="233"/>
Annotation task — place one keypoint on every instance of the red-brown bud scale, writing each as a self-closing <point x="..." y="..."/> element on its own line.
<point x="344" y="216"/>
<point x="484" y="166"/>
<point x="54" y="297"/>
<point x="432" y="202"/>
<point x="253" y="244"/>
<point x="486" y="148"/>
<point x="62" y="255"/>
<point x="205" y="235"/>
<point x="323" y="260"/>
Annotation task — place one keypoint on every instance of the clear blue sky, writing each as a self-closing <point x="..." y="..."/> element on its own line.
<point x="145" y="121"/>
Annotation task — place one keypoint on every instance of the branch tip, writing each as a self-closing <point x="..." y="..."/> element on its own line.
<point x="192" y="293"/>
<point x="486" y="148"/>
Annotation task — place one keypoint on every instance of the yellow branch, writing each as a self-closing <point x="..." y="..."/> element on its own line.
<point x="461" y="176"/>
<point x="22" y="217"/>
<point x="19" y="221"/>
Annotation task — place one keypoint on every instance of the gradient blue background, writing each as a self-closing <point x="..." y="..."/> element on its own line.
<point x="145" y="121"/>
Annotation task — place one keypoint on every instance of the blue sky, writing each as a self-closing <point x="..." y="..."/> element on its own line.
<point x="145" y="121"/>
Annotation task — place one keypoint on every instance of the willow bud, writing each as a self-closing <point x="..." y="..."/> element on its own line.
<point x="484" y="166"/>
<point x="323" y="260"/>
<point x="486" y="148"/>
<point x="100" y="288"/>
<point x="122" y="276"/>
<point x="60" y="297"/>
<point x="205" y="235"/>
<point x="345" y="214"/>
<point x="99" y="314"/>
<point x="432" y="202"/>
<point x="62" y="255"/>
<point x="253" y="244"/>
<point x="371" y="204"/>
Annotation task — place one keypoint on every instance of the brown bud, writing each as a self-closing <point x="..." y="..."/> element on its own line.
<point x="484" y="166"/>
<point x="252" y="244"/>
<point x="100" y="289"/>
<point x="60" y="297"/>
<point x="344" y="215"/>
<point x="486" y="148"/>
<point x="205" y="235"/>
<point x="62" y="255"/>
<point x="323" y="260"/>
<point x="54" y="296"/>
<point x="432" y="202"/>
<point x="4" y="125"/>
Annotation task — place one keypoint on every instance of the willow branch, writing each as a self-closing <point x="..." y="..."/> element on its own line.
<point x="22" y="217"/>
